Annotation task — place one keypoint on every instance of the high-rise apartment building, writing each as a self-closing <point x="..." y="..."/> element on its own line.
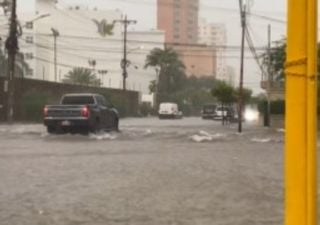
<point x="215" y="34"/>
<point x="179" y="19"/>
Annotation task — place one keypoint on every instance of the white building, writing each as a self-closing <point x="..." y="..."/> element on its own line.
<point x="231" y="76"/>
<point x="78" y="42"/>
<point x="215" y="34"/>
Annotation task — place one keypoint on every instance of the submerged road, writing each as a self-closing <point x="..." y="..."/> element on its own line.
<point x="154" y="172"/>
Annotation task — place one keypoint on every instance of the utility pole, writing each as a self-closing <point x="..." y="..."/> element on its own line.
<point x="55" y="34"/>
<point x="240" y="98"/>
<point x="12" y="48"/>
<point x="268" y="112"/>
<point x="124" y="62"/>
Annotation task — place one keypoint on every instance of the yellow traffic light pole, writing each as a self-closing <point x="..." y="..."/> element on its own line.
<point x="301" y="114"/>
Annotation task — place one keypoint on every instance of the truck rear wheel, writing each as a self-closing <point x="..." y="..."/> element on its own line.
<point x="116" y="124"/>
<point x="51" y="129"/>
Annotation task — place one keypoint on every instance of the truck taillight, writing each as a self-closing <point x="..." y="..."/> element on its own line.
<point x="85" y="111"/>
<point x="45" y="111"/>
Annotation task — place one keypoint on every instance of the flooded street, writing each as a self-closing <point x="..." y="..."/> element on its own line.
<point x="154" y="172"/>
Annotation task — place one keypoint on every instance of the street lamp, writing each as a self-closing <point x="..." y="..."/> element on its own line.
<point x="20" y="32"/>
<point x="135" y="49"/>
<point x="55" y="34"/>
<point x="40" y="17"/>
<point x="35" y="19"/>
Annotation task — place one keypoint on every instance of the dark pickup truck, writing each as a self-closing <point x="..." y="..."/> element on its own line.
<point x="81" y="112"/>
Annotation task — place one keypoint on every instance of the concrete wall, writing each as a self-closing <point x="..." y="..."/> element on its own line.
<point x="32" y="95"/>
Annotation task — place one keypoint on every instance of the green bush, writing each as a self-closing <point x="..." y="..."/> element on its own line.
<point x="32" y="106"/>
<point x="276" y="107"/>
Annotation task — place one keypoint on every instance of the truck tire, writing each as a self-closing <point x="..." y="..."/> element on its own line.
<point x="116" y="124"/>
<point x="95" y="128"/>
<point x="51" y="129"/>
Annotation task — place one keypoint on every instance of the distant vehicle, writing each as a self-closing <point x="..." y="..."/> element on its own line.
<point x="169" y="110"/>
<point x="228" y="112"/>
<point x="81" y="112"/>
<point x="208" y="111"/>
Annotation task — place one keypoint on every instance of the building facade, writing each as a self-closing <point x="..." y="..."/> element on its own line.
<point x="199" y="60"/>
<point x="179" y="19"/>
<point x="58" y="38"/>
<point x="214" y="34"/>
<point x="231" y="76"/>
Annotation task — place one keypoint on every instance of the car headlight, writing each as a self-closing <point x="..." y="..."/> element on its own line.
<point x="251" y="115"/>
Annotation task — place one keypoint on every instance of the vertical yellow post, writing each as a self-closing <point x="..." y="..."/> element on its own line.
<point x="301" y="114"/>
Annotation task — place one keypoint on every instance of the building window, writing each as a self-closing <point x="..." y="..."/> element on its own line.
<point x="29" y="39"/>
<point x="176" y="36"/>
<point x="29" y="72"/>
<point x="29" y="55"/>
<point x="29" y="25"/>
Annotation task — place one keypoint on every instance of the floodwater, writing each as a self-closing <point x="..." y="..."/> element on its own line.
<point x="154" y="172"/>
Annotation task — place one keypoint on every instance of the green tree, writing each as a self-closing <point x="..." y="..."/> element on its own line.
<point x="277" y="60"/>
<point x="224" y="93"/>
<point x="246" y="95"/>
<point x="82" y="76"/>
<point x="21" y="66"/>
<point x="171" y="74"/>
<point x="152" y="86"/>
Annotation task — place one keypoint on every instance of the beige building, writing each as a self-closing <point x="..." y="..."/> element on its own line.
<point x="199" y="60"/>
<point x="179" y="19"/>
<point x="215" y="34"/>
<point x="231" y="76"/>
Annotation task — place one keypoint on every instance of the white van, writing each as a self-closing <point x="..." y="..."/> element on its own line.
<point x="169" y="110"/>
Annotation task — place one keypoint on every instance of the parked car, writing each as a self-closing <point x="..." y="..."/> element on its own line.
<point x="168" y="110"/>
<point x="208" y="111"/>
<point x="81" y="112"/>
<point x="228" y="112"/>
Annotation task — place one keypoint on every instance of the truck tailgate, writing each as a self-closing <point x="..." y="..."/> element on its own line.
<point x="63" y="111"/>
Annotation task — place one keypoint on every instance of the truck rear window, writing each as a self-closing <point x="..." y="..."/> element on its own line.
<point x="77" y="100"/>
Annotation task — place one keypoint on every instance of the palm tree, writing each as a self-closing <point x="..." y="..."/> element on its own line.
<point x="104" y="28"/>
<point x="170" y="68"/>
<point x="82" y="76"/>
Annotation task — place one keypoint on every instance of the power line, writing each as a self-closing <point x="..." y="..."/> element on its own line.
<point x="253" y="50"/>
<point x="63" y="50"/>
<point x="172" y="44"/>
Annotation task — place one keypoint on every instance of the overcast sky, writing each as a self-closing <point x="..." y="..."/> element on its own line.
<point x="215" y="11"/>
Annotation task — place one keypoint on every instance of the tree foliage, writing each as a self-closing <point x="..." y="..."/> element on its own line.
<point x="171" y="74"/>
<point x="21" y="66"/>
<point x="224" y="93"/>
<point x="277" y="60"/>
<point x="82" y="76"/>
<point x="246" y="95"/>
